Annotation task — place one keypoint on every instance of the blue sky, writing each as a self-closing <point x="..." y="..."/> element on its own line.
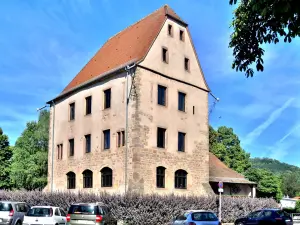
<point x="44" y="43"/>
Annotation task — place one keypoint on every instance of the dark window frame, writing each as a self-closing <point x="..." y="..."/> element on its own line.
<point x="161" y="95"/>
<point x="87" y="179"/>
<point x="107" y="98"/>
<point x="181" y="141"/>
<point x="106" y="177"/>
<point x="71" y="147"/>
<point x="88" y="143"/>
<point x="72" y="111"/>
<point x="165" y="55"/>
<point x="161" y="137"/>
<point x="187" y="64"/>
<point x="181" y="101"/>
<point x="181" y="35"/>
<point x="106" y="139"/>
<point x="181" y="179"/>
<point x="160" y="176"/>
<point x="170" y="30"/>
<point x="88" y="105"/>
<point x="71" y="180"/>
<point x="120" y="138"/>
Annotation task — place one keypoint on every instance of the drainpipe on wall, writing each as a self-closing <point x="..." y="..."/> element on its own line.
<point x="129" y="73"/>
<point x="52" y="153"/>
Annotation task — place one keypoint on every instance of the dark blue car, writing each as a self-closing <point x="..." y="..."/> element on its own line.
<point x="266" y="216"/>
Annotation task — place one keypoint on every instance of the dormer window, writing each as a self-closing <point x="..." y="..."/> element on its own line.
<point x="165" y="55"/>
<point x="170" y="30"/>
<point x="181" y="35"/>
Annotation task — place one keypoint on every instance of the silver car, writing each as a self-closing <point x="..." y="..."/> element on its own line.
<point x="196" y="217"/>
<point x="12" y="213"/>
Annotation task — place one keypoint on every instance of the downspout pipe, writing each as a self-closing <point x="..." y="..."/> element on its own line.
<point x="52" y="153"/>
<point x="128" y="69"/>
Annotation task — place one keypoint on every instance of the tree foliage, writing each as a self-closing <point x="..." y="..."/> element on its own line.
<point x="256" y="22"/>
<point x="268" y="184"/>
<point x="5" y="160"/>
<point x="30" y="155"/>
<point x="226" y="146"/>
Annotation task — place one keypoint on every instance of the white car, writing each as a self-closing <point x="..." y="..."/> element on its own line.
<point x="45" y="215"/>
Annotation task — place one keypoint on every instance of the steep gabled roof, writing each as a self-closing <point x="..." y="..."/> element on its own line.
<point x="131" y="44"/>
<point x="218" y="171"/>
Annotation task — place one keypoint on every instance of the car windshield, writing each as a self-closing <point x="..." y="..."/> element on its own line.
<point x="83" y="209"/>
<point x="282" y="213"/>
<point x="204" y="216"/>
<point x="5" y="206"/>
<point x="40" y="212"/>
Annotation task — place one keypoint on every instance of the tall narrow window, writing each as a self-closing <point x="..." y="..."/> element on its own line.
<point x="87" y="143"/>
<point x="87" y="179"/>
<point x="161" y="137"/>
<point x="181" y="179"/>
<point x="71" y="180"/>
<point x="58" y="151"/>
<point x="181" y="101"/>
<point x="106" y="177"/>
<point x="61" y="151"/>
<point x="161" y="95"/>
<point x="88" y="105"/>
<point x="160" y="177"/>
<point x="193" y="109"/>
<point x="72" y="111"/>
<point x="123" y="137"/>
<point x="107" y="98"/>
<point x="170" y="30"/>
<point x="165" y="55"/>
<point x="186" y="64"/>
<point x="181" y="142"/>
<point x="71" y="147"/>
<point x="106" y="137"/>
<point x="181" y="35"/>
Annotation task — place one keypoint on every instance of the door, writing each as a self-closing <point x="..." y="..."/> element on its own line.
<point x="63" y="216"/>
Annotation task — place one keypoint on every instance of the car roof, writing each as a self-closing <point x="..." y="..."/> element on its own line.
<point x="272" y="209"/>
<point x="45" y="206"/>
<point x="13" y="202"/>
<point x="198" y="210"/>
<point x="88" y="203"/>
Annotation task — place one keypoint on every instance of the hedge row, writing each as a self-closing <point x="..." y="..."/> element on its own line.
<point x="149" y="209"/>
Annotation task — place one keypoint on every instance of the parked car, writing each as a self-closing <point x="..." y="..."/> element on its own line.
<point x="49" y="215"/>
<point x="196" y="217"/>
<point x="266" y="216"/>
<point x="12" y="213"/>
<point x="89" y="213"/>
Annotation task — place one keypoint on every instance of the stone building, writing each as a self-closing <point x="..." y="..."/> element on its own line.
<point x="154" y="141"/>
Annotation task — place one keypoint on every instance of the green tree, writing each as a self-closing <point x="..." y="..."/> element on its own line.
<point x="256" y="22"/>
<point x="30" y="155"/>
<point x="5" y="160"/>
<point x="291" y="183"/>
<point x="226" y="146"/>
<point x="268" y="184"/>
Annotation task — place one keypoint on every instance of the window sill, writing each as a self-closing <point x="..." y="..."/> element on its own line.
<point x="181" y="189"/>
<point x="180" y="152"/>
<point x="164" y="106"/>
<point x="182" y="111"/>
<point x="106" y="109"/>
<point x="88" y="115"/>
<point x="107" y="187"/>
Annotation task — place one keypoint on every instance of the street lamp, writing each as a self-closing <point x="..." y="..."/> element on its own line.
<point x="52" y="153"/>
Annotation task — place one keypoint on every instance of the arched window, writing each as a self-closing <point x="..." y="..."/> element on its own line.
<point x="87" y="179"/>
<point x="106" y="177"/>
<point x="160" y="177"/>
<point x="71" y="180"/>
<point x="180" y="179"/>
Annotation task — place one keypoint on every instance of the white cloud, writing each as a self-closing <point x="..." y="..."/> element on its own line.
<point x="271" y="119"/>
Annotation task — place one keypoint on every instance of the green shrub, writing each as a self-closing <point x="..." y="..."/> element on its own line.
<point x="144" y="209"/>
<point x="297" y="207"/>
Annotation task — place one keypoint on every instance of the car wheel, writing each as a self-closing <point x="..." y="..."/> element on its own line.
<point x="19" y="223"/>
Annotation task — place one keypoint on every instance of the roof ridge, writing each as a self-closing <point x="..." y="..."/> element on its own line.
<point x="150" y="14"/>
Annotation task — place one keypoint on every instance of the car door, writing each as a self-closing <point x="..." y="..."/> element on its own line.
<point x="57" y="217"/>
<point x="63" y="216"/>
<point x="253" y="218"/>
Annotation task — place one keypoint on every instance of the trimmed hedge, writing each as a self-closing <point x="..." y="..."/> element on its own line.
<point x="144" y="209"/>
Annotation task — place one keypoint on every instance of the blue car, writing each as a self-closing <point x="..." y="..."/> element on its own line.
<point x="196" y="217"/>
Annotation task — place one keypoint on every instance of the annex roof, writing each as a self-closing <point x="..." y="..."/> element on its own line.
<point x="218" y="171"/>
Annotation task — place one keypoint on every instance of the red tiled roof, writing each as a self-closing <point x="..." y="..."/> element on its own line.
<point x="218" y="171"/>
<point x="131" y="44"/>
